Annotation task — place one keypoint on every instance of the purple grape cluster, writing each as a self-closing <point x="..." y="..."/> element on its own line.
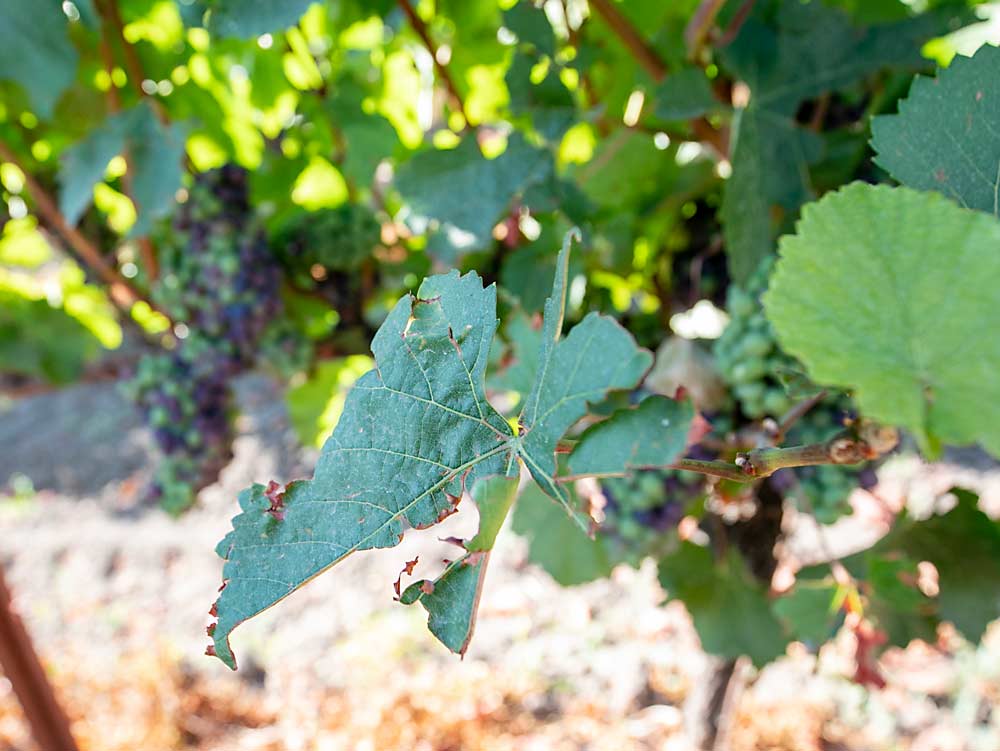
<point x="220" y="280"/>
<point x="642" y="510"/>
<point x="218" y="275"/>
<point x="189" y="408"/>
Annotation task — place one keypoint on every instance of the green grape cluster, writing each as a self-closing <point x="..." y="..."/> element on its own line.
<point x="823" y="491"/>
<point x="337" y="239"/>
<point x="747" y="353"/>
<point x="642" y="509"/>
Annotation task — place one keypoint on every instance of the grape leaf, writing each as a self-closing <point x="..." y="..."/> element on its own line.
<point x="413" y="432"/>
<point x="890" y="292"/>
<point x="597" y="356"/>
<point x="35" y="51"/>
<point x="155" y="153"/>
<point x="251" y="18"/>
<point x="654" y="434"/>
<point x="945" y="136"/>
<point x="809" y="610"/>
<point x="452" y="599"/>
<point x="787" y="52"/>
<point x="440" y="185"/>
<point x="964" y="546"/>
<point x="556" y="543"/>
<point x="729" y="608"/>
<point x="519" y="373"/>
<point x="685" y="93"/>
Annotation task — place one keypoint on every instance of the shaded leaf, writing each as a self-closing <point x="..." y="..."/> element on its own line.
<point x="654" y="434"/>
<point x="251" y="18"/>
<point x="35" y="51"/>
<point x="685" y="93"/>
<point x="964" y="546"/>
<point x="945" y="136"/>
<point x="155" y="154"/>
<point x="466" y="193"/>
<point x="556" y="542"/>
<point x="888" y="291"/>
<point x="729" y="608"/>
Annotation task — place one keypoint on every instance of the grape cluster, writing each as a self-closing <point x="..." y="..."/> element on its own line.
<point x="641" y="509"/>
<point x="220" y="280"/>
<point x="189" y="409"/>
<point x="337" y="239"/>
<point x="756" y="370"/>
<point x="747" y="353"/>
<point x="218" y="275"/>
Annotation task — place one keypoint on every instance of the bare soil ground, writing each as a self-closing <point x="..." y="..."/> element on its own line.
<point x="116" y="596"/>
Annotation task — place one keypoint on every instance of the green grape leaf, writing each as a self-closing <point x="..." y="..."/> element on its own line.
<point x="556" y="542"/>
<point x="251" y="18"/>
<point x="155" y="153"/>
<point x="531" y="27"/>
<point x="788" y="52"/>
<point x="413" y="432"/>
<point x="35" y="51"/>
<point x="964" y="546"/>
<point x="770" y="180"/>
<point x="684" y="94"/>
<point x="547" y="104"/>
<point x="945" y="136"/>
<point x="889" y="292"/>
<point x="729" y="608"/>
<point x="596" y="357"/>
<point x="438" y="186"/>
<point x="452" y="599"/>
<point x="810" y="610"/>
<point x="654" y="434"/>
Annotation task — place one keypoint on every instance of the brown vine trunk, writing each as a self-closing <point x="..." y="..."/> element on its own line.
<point x="49" y="724"/>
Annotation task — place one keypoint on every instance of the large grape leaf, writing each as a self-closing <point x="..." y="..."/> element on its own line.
<point x="414" y="431"/>
<point x="946" y="136"/>
<point x="789" y="51"/>
<point x="729" y="608"/>
<point x="892" y="293"/>
<point x="35" y="51"/>
<point x="465" y="193"/>
<point x="597" y="356"/>
<point x="452" y="599"/>
<point x="155" y="153"/>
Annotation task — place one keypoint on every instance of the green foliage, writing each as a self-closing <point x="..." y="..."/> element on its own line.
<point x="319" y="159"/>
<point x="788" y="52"/>
<point x="865" y="295"/>
<point x="251" y="18"/>
<point x="154" y="153"/>
<point x="26" y="30"/>
<point x="39" y="340"/>
<point x="452" y="599"/>
<point x="944" y="137"/>
<point x="729" y="609"/>
<point x="439" y="184"/>
<point x="654" y="434"/>
<point x="556" y="542"/>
